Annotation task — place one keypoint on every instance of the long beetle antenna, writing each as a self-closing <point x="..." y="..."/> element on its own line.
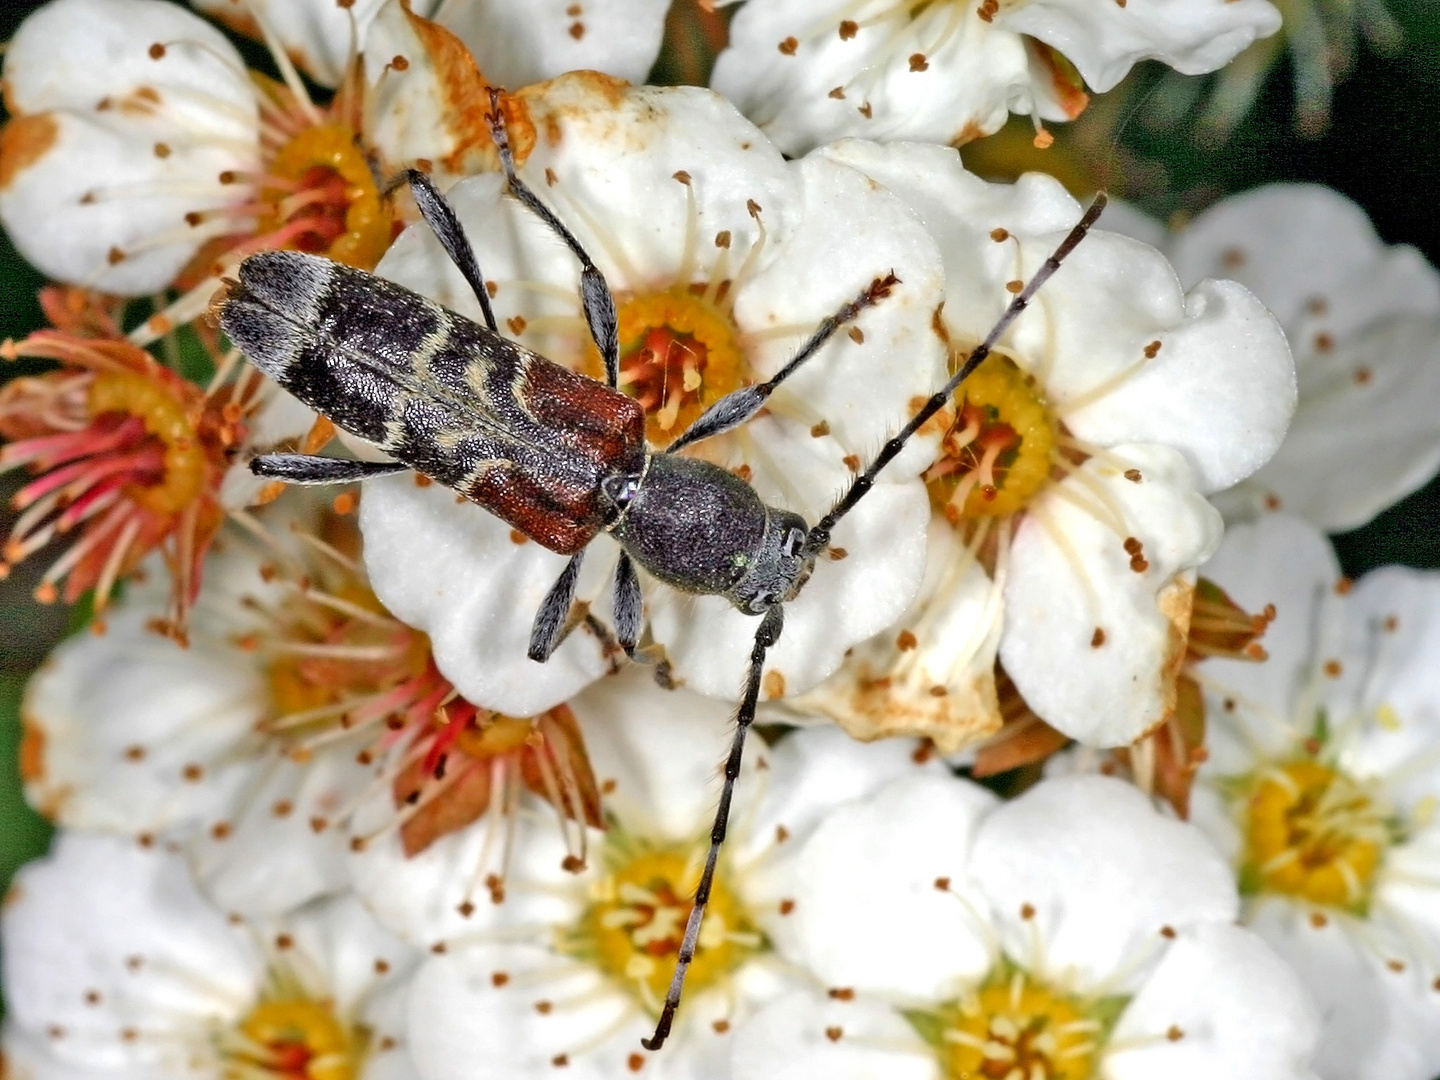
<point x="773" y="620"/>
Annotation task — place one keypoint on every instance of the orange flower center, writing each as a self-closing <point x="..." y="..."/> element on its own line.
<point x="297" y="1040"/>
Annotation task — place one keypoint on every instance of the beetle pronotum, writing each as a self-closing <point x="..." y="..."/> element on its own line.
<point x="557" y="455"/>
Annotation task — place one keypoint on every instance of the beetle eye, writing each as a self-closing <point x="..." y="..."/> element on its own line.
<point x="794" y="542"/>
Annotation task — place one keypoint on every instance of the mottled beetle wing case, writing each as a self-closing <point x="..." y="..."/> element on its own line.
<point x="522" y="436"/>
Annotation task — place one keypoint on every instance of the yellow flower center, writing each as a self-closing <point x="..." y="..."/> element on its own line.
<point x="1314" y="833"/>
<point x="166" y="428"/>
<point x="499" y="735"/>
<point x="678" y="356"/>
<point x="327" y="202"/>
<point x="297" y="1040"/>
<point x="634" y="925"/>
<point x="997" y="454"/>
<point x="1014" y="1028"/>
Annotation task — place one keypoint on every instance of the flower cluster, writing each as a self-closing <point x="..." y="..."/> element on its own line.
<point x="379" y="786"/>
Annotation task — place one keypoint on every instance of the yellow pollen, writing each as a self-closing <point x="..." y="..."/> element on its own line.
<point x="678" y="356"/>
<point x="997" y="454"/>
<point x="634" y="925"/>
<point x="302" y="1040"/>
<point x="1015" y="1027"/>
<point x="499" y="735"/>
<point x="165" y="419"/>
<point x="334" y="208"/>
<point x="1313" y="833"/>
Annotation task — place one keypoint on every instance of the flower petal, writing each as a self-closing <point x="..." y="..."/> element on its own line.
<point x="1088" y="880"/>
<point x="1071" y="574"/>
<point x="319" y="36"/>
<point x="1220" y="1004"/>
<point x="870" y="876"/>
<point x="804" y="1036"/>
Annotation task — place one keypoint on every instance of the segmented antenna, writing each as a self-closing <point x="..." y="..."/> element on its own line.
<point x="773" y="621"/>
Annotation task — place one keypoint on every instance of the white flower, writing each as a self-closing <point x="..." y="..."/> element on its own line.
<point x="117" y="967"/>
<point x="724" y="257"/>
<point x="950" y="72"/>
<point x="571" y="967"/>
<point x="142" y="153"/>
<point x="1322" y="784"/>
<point x="295" y="697"/>
<point x="1073" y="932"/>
<point x="1363" y="319"/>
<point x="515" y="42"/>
<point x="1073" y="470"/>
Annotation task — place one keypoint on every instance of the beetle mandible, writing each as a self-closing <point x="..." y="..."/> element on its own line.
<point x="558" y="455"/>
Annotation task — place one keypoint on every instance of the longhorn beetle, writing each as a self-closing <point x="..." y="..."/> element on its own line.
<point x="558" y="455"/>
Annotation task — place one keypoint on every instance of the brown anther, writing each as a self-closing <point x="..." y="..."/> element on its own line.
<point x="499" y="978"/>
<point x="789" y="45"/>
<point x="635" y="1062"/>
<point x="1139" y="564"/>
<point x="491" y="288"/>
<point x="608" y="787"/>
<point x="743" y="471"/>
<point x="496" y="885"/>
<point x="848" y="29"/>
<point x="939" y="691"/>
<point x="942" y="884"/>
<point x="129" y="1035"/>
<point x="841" y="993"/>
<point x="1311" y="746"/>
<point x="399" y="63"/>
<point x="781" y="834"/>
<point x="856" y="335"/>
<point x="282" y="808"/>
<point x="220" y="830"/>
<point x="92" y="997"/>
<point x="1027" y="911"/>
<point x="720" y="1026"/>
<point x="1272" y="502"/>
<point x="752" y="208"/>
<point x="988" y="10"/>
<point x="1232" y="258"/>
<point x="550" y="181"/>
<point x="382" y="966"/>
<point x="385" y="1043"/>
<point x="114" y="256"/>
<point x="1014" y="286"/>
<point x="1391" y="623"/>
<point x="1332" y="669"/>
<point x="1396" y="966"/>
<point x="517" y="324"/>
<point x="318" y="824"/>
<point x="157" y="51"/>
<point x="284" y="941"/>
<point x="1324" y="343"/>
<point x="838" y="93"/>
<point x="774" y="684"/>
<point x="227" y="176"/>
<point x="1319" y="920"/>
<point x="1152" y="350"/>
<point x="923" y="752"/>
<point x="918" y="62"/>
<point x="544" y="1008"/>
<point x="682" y="176"/>
<point x="999" y="235"/>
<point x="345" y="503"/>
<point x="852" y="462"/>
<point x="1255" y="651"/>
<point x="906" y="640"/>
<point x="135" y="753"/>
<point x="787" y="906"/>
<point x="820" y="430"/>
<point x="1133" y="546"/>
<point x="560" y="1060"/>
<point x="722" y="238"/>
<point x="466" y="908"/>
<point x="577" y="30"/>
<point x="358" y="844"/>
<point x="1174" y="1033"/>
<point x="517" y="537"/>
<point x="1097" y="638"/>
<point x="572" y="864"/>
<point x="439" y="948"/>
<point x="835" y="554"/>
<point x="162" y="150"/>
<point x="1167" y="931"/>
<point x="867" y="110"/>
<point x="1343" y="585"/>
<point x="194" y="218"/>
<point x="834" y="1033"/>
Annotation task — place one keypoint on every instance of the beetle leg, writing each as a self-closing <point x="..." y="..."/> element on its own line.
<point x="594" y="292"/>
<point x="314" y="469"/>
<point x="628" y="605"/>
<point x="554" y="614"/>
<point x="440" y="216"/>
